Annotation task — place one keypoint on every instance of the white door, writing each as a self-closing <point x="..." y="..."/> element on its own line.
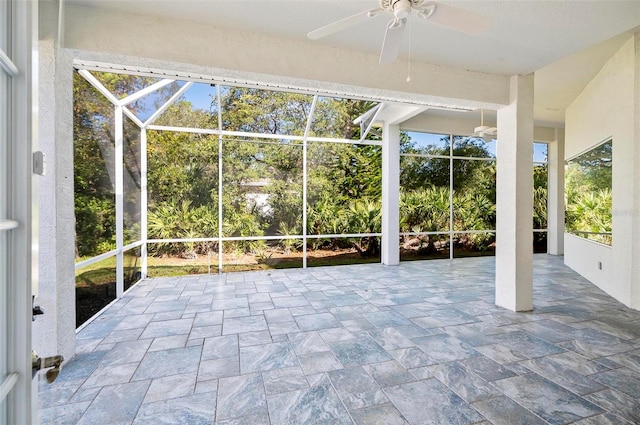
<point x="16" y="24"/>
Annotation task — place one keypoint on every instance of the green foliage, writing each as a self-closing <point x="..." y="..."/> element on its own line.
<point x="263" y="111"/>
<point x="540" y="178"/>
<point x="591" y="212"/>
<point x="289" y="245"/>
<point x="94" y="160"/>
<point x="262" y="179"/>
<point x="181" y="113"/>
<point x="242" y="223"/>
<point x="588" y="196"/>
<point x="426" y="209"/>
<point x="178" y="219"/>
<point x="95" y="221"/>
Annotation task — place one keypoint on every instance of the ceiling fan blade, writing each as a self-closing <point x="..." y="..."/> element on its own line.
<point x="342" y="24"/>
<point x="459" y="19"/>
<point x="392" y="41"/>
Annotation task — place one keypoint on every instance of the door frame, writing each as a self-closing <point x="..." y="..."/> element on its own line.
<point x="21" y="22"/>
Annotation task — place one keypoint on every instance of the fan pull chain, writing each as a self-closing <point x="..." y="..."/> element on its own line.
<point x="409" y="61"/>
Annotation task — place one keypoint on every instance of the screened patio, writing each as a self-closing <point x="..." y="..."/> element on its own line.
<point x="184" y="176"/>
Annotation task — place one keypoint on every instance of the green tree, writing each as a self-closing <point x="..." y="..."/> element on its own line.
<point x="94" y="159"/>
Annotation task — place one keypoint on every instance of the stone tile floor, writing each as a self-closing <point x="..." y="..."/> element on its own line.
<point x="421" y="343"/>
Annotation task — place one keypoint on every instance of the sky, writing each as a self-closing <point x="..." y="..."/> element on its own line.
<point x="424" y="139"/>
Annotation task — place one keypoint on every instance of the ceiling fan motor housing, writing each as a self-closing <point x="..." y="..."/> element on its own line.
<point x="400" y="8"/>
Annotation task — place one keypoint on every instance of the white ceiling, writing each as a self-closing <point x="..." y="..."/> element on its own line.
<point x="565" y="42"/>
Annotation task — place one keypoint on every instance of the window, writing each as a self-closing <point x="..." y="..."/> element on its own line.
<point x="448" y="196"/>
<point x="588" y="195"/>
<point x="540" y="184"/>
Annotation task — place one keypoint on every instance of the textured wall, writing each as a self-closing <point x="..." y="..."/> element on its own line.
<point x="606" y="109"/>
<point x="54" y="333"/>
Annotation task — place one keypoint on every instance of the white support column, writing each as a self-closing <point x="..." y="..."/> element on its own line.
<point x="514" y="235"/>
<point x="144" y="201"/>
<point x="305" y="170"/>
<point x="555" y="195"/>
<point x="635" y="236"/>
<point x="220" y="188"/>
<point x="390" y="195"/>
<point x="54" y="332"/>
<point x="119" y="178"/>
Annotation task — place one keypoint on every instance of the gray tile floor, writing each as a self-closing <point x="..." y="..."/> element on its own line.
<point x="421" y="343"/>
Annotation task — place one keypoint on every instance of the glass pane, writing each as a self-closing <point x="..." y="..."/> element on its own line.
<point x="94" y="169"/>
<point x="344" y="188"/>
<point x="123" y="85"/>
<point x="265" y="111"/>
<point x="474" y="147"/>
<point x="196" y="108"/>
<point x="262" y="255"/>
<point x="147" y="105"/>
<point x="474" y="196"/>
<point x="540" y="180"/>
<point x="540" y="152"/>
<point x="334" y="118"/>
<point x="131" y="267"/>
<point x="424" y="194"/>
<point x="262" y="188"/>
<point x="588" y="194"/>
<point x="177" y="259"/>
<point x="425" y="143"/>
<point x="424" y="247"/>
<point x="341" y="251"/>
<point x="539" y="242"/>
<point x="131" y="181"/>
<point x="182" y="185"/>
<point x="95" y="288"/>
<point x="474" y="245"/>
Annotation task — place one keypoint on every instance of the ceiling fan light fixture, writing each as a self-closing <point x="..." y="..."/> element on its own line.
<point x="401" y="9"/>
<point x="481" y="129"/>
<point x="484" y="131"/>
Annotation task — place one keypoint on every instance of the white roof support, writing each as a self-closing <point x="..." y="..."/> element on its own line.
<point x="98" y="86"/>
<point x="395" y="114"/>
<point x="369" y="120"/>
<point x="7" y="65"/>
<point x="259" y="135"/>
<point x="133" y="117"/>
<point x="145" y="91"/>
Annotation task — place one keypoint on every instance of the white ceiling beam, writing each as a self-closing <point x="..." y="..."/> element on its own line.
<point x="396" y="114"/>
<point x="234" y="54"/>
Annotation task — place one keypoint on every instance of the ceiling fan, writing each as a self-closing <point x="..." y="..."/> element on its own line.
<point x="438" y="13"/>
<point x="484" y="131"/>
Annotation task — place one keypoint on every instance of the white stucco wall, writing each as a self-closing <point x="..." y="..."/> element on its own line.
<point x="607" y="109"/>
<point x="54" y="332"/>
<point x="185" y="46"/>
